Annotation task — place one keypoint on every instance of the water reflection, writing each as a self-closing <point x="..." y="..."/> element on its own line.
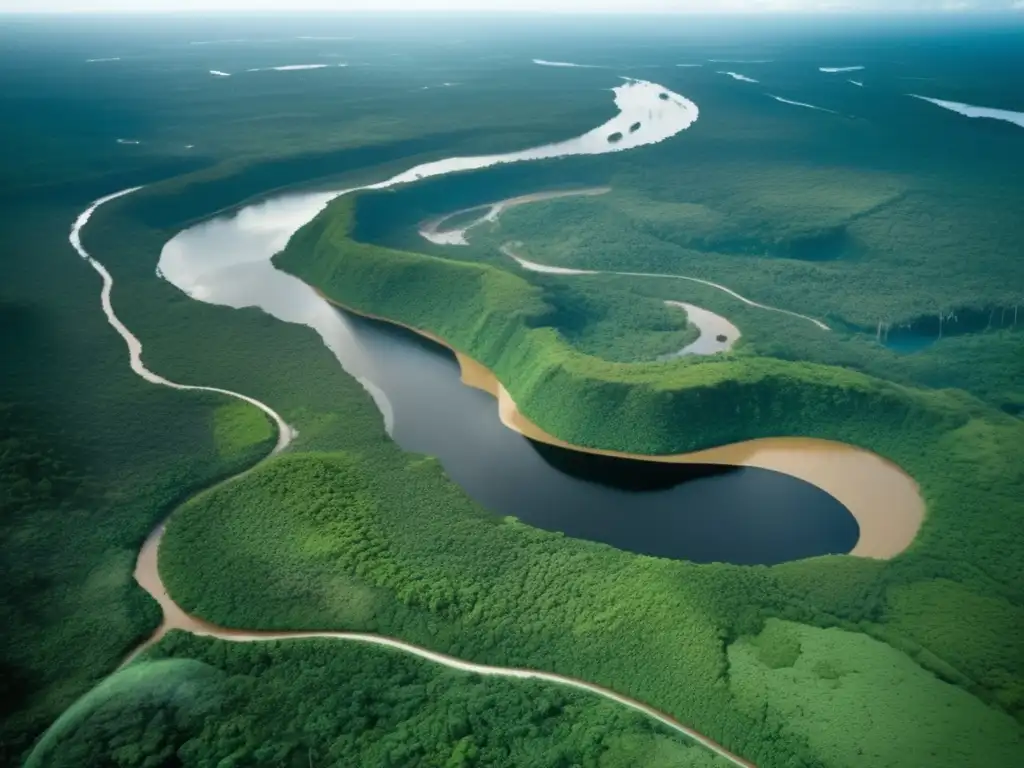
<point x="696" y="512"/>
<point x="744" y="515"/>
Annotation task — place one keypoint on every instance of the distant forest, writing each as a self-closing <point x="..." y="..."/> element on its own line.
<point x="859" y="218"/>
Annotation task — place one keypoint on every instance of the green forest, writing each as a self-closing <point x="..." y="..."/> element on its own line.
<point x="336" y="548"/>
<point x="614" y="324"/>
<point x="834" y="661"/>
<point x="901" y="264"/>
<point x="81" y="485"/>
<point x="499" y="319"/>
<point x="196" y="702"/>
<point x="969" y="476"/>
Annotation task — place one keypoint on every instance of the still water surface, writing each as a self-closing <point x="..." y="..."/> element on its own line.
<point x="742" y="515"/>
<point x="739" y="515"/>
<point x="703" y="513"/>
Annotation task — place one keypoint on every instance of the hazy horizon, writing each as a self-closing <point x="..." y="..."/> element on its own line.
<point x="705" y="7"/>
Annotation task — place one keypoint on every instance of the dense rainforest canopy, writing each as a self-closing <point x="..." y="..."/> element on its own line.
<point x="860" y="218"/>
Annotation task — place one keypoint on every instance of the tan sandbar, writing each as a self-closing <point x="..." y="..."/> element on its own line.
<point x="885" y="500"/>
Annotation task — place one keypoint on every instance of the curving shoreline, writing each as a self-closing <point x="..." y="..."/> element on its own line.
<point x="533" y="266"/>
<point x="716" y="333"/>
<point x="428" y="230"/>
<point x="285" y="434"/>
<point x="147" y="567"/>
<point x="885" y="500"/>
<point x="147" y="572"/>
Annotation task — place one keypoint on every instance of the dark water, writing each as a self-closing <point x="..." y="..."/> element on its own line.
<point x="704" y="514"/>
<point x="701" y="513"/>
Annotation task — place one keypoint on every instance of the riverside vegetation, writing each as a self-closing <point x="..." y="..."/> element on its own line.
<point x="415" y="594"/>
<point x="91" y="457"/>
<point x="337" y="549"/>
<point x="123" y="458"/>
<point x="200" y="702"/>
<point x="82" y="484"/>
<point x="895" y="267"/>
<point x="791" y="665"/>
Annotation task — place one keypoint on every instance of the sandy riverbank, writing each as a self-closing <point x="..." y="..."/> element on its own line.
<point x="885" y="500"/>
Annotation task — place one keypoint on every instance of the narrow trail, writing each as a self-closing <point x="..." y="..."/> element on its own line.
<point x="533" y="266"/>
<point x="430" y="229"/>
<point x="285" y="433"/>
<point x="174" y="617"/>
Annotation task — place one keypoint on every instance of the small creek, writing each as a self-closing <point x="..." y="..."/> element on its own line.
<point x="717" y="334"/>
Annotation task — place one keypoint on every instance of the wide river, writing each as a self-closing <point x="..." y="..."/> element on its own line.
<point x="703" y="513"/>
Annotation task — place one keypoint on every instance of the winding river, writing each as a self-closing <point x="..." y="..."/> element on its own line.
<point x="285" y="433"/>
<point x="147" y="572"/>
<point x="227" y="261"/>
<point x="717" y="334"/>
<point x="431" y="231"/>
<point x="764" y="507"/>
<point x="745" y="515"/>
<point x="532" y="266"/>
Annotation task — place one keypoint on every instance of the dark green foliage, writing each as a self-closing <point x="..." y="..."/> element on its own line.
<point x="498" y="318"/>
<point x="198" y="702"/>
<point x="321" y="541"/>
<point x="92" y="456"/>
<point x="855" y="239"/>
<point x="961" y="452"/>
<point x="137" y="717"/>
<point x="615" y="325"/>
<point x="82" y="481"/>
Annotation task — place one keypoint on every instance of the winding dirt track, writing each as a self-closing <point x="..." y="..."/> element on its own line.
<point x="174" y="617"/>
<point x="429" y="230"/>
<point x="532" y="266"/>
